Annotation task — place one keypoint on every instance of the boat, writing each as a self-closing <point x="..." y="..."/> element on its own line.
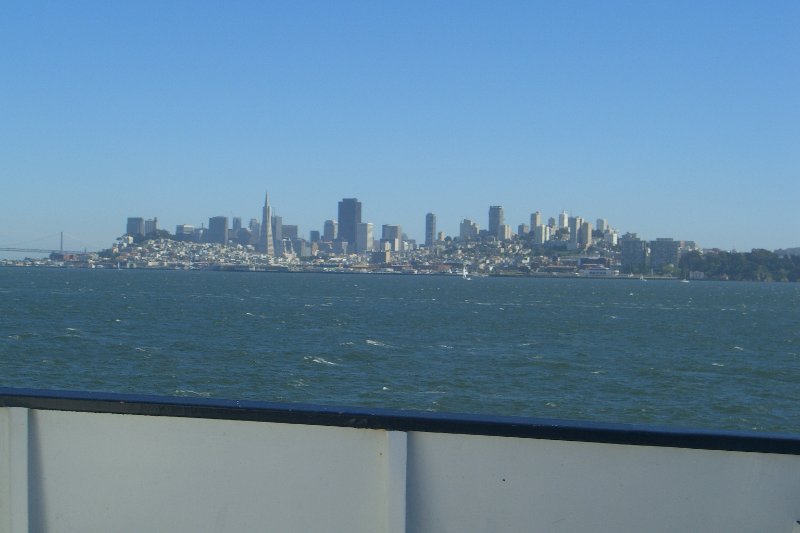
<point x="464" y="274"/>
<point x="150" y="463"/>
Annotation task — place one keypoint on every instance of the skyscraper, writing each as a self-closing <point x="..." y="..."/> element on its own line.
<point x="330" y="231"/>
<point x="266" y="245"/>
<point x="430" y="229"/>
<point x="364" y="237"/>
<point x="536" y="220"/>
<point x="563" y="219"/>
<point x="277" y="234"/>
<point x="218" y="230"/>
<point x="135" y="226"/>
<point x="495" y="220"/>
<point x="349" y="217"/>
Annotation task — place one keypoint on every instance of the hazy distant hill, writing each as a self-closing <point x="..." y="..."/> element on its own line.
<point x="788" y="251"/>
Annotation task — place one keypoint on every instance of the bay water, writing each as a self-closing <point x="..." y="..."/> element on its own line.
<point x="711" y="355"/>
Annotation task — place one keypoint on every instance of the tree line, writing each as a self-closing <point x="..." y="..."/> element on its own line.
<point x="756" y="265"/>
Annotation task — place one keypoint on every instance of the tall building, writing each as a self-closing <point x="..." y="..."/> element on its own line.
<point x="495" y="220"/>
<point x="563" y="219"/>
<point x="277" y="234"/>
<point x="237" y="224"/>
<point x="393" y="235"/>
<point x="467" y="230"/>
<point x="523" y="229"/>
<point x="217" y="230"/>
<point x="430" y="229"/>
<point x="663" y="252"/>
<point x="541" y="234"/>
<point x="536" y="220"/>
<point x="150" y="225"/>
<point x="313" y="235"/>
<point x="330" y="231"/>
<point x="135" y="226"/>
<point x="266" y="246"/>
<point x="585" y="235"/>
<point x="184" y="232"/>
<point x="364" y="237"/>
<point x="602" y="225"/>
<point x="349" y="217"/>
<point x="634" y="253"/>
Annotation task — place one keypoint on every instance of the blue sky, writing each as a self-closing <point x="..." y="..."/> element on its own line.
<point x="670" y="119"/>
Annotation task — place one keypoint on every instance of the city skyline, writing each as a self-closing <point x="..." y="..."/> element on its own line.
<point x="669" y="120"/>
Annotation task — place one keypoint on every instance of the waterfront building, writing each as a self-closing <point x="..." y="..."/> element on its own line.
<point x="663" y="252"/>
<point x="468" y="230"/>
<point x="496" y="220"/>
<point x="536" y="220"/>
<point x="217" y="230"/>
<point x="364" y="238"/>
<point x="349" y="217"/>
<point x="330" y="231"/>
<point x="266" y="245"/>
<point x="430" y="229"/>
<point x="634" y="253"/>
<point x="135" y="226"/>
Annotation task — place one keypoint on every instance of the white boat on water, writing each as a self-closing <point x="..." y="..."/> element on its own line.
<point x="464" y="274"/>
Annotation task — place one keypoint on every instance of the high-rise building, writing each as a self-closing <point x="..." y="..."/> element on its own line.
<point x="495" y="220"/>
<point x="237" y="224"/>
<point x="217" y="230"/>
<point x="349" y="217"/>
<point x="266" y="245"/>
<point x="277" y="234"/>
<point x="184" y="232"/>
<point x="536" y="220"/>
<point x="290" y="231"/>
<point x="602" y="225"/>
<point x="135" y="226"/>
<point x="522" y="229"/>
<point x="364" y="231"/>
<point x="467" y="230"/>
<point x="430" y="229"/>
<point x="633" y="254"/>
<point x="330" y="231"/>
<point x="585" y="235"/>
<point x="313" y="235"/>
<point x="504" y="232"/>
<point x="663" y="252"/>
<point x="563" y="220"/>
<point x="150" y="225"/>
<point x="392" y="234"/>
<point x="541" y="234"/>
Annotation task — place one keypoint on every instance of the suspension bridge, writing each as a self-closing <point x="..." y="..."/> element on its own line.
<point x="33" y="250"/>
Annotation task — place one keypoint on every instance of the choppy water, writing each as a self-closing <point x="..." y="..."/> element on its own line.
<point x="704" y="355"/>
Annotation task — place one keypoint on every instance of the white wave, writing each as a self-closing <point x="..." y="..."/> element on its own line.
<point x="319" y="360"/>
<point x="189" y="392"/>
<point x="375" y="343"/>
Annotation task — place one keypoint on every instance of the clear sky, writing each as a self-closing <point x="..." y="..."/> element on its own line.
<point x="669" y="119"/>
